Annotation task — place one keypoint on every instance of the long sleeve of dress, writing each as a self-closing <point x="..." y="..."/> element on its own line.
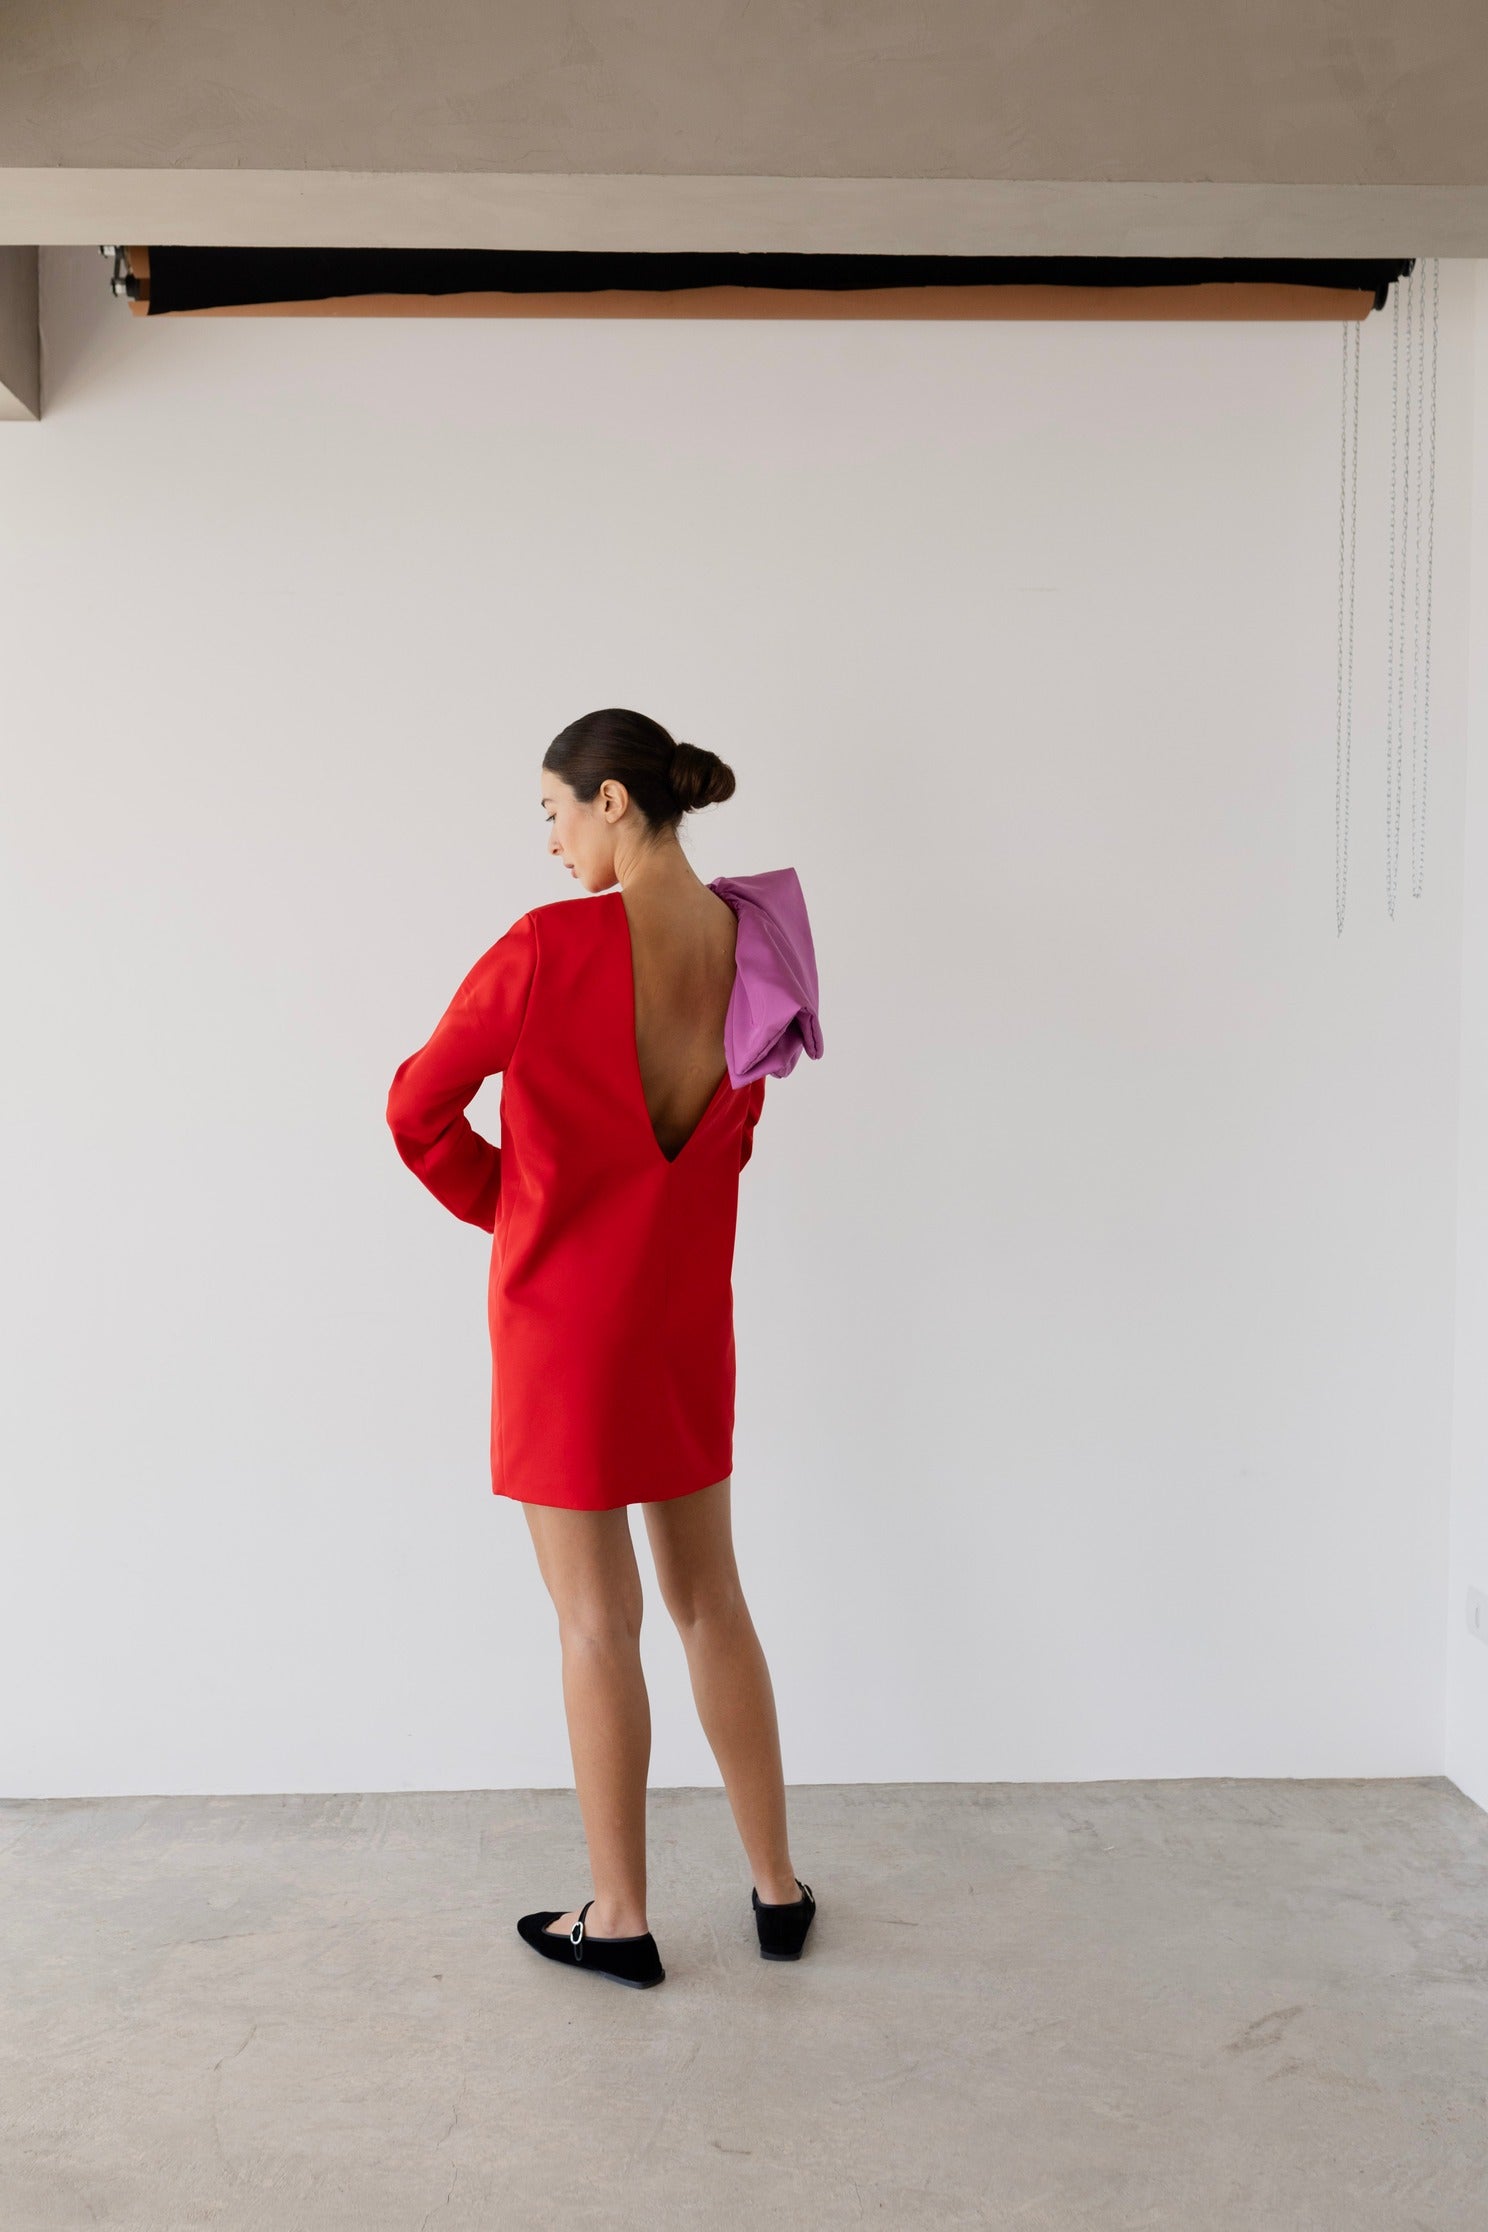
<point x="752" y="1109"/>
<point x="473" y="1039"/>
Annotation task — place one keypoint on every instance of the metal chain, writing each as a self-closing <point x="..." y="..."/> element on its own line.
<point x="1418" y="870"/>
<point x="1418" y="385"/>
<point x="1409" y="508"/>
<point x="1390" y="632"/>
<point x="1415" y="387"/>
<point x="1344" y="725"/>
<point x="1395" y="709"/>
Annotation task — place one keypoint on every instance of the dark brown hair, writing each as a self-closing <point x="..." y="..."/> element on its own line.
<point x="666" y="779"/>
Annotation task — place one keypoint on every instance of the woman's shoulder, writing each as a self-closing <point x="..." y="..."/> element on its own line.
<point x="774" y="1017"/>
<point x="771" y="907"/>
<point x="571" y="918"/>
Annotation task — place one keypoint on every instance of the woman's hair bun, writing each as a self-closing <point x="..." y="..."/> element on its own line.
<point x="699" y="777"/>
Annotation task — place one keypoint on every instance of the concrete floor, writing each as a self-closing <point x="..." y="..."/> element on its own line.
<point x="1198" y="2005"/>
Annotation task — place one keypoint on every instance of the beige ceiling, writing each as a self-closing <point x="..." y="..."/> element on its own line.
<point x="1022" y="127"/>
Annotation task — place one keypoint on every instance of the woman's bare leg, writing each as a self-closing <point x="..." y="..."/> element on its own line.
<point x="587" y="1560"/>
<point x="692" y="1544"/>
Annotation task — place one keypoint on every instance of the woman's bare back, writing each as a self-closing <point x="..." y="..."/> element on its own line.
<point x="682" y="952"/>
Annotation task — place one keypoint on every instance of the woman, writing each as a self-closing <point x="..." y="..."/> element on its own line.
<point x="634" y="1036"/>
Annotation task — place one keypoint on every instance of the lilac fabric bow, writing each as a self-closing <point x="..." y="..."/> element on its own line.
<point x="772" y="1015"/>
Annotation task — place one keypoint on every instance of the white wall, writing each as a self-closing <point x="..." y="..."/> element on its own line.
<point x="1095" y="1291"/>
<point x="1467" y="1658"/>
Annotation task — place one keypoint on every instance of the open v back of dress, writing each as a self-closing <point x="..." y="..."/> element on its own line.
<point x="679" y="1001"/>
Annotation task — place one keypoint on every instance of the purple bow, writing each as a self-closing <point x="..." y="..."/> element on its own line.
<point x="772" y="1016"/>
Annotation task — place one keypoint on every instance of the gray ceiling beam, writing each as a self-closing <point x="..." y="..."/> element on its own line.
<point x="1039" y="127"/>
<point x="989" y="217"/>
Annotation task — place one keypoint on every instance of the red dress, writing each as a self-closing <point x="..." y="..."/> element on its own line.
<point x="610" y="1298"/>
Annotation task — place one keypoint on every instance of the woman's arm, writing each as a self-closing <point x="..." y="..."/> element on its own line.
<point x="474" y="1038"/>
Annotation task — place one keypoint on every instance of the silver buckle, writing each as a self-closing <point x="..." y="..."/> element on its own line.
<point x="576" y="1938"/>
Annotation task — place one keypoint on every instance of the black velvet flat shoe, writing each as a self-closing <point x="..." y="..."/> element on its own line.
<point x="782" y="1929"/>
<point x="628" y="1960"/>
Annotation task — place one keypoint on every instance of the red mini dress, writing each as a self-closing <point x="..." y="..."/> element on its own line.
<point x="610" y="1298"/>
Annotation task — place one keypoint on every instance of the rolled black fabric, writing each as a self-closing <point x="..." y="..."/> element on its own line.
<point x="194" y="278"/>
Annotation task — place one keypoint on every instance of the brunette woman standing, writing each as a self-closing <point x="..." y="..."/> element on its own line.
<point x="634" y="1034"/>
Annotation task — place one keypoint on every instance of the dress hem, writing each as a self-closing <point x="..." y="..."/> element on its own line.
<point x="623" y="1503"/>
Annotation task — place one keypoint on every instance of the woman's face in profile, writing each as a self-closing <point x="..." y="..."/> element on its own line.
<point x="587" y="839"/>
<point x="583" y="837"/>
<point x="566" y="819"/>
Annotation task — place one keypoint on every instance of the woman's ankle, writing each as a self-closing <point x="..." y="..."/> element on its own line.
<point x="615" y="1921"/>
